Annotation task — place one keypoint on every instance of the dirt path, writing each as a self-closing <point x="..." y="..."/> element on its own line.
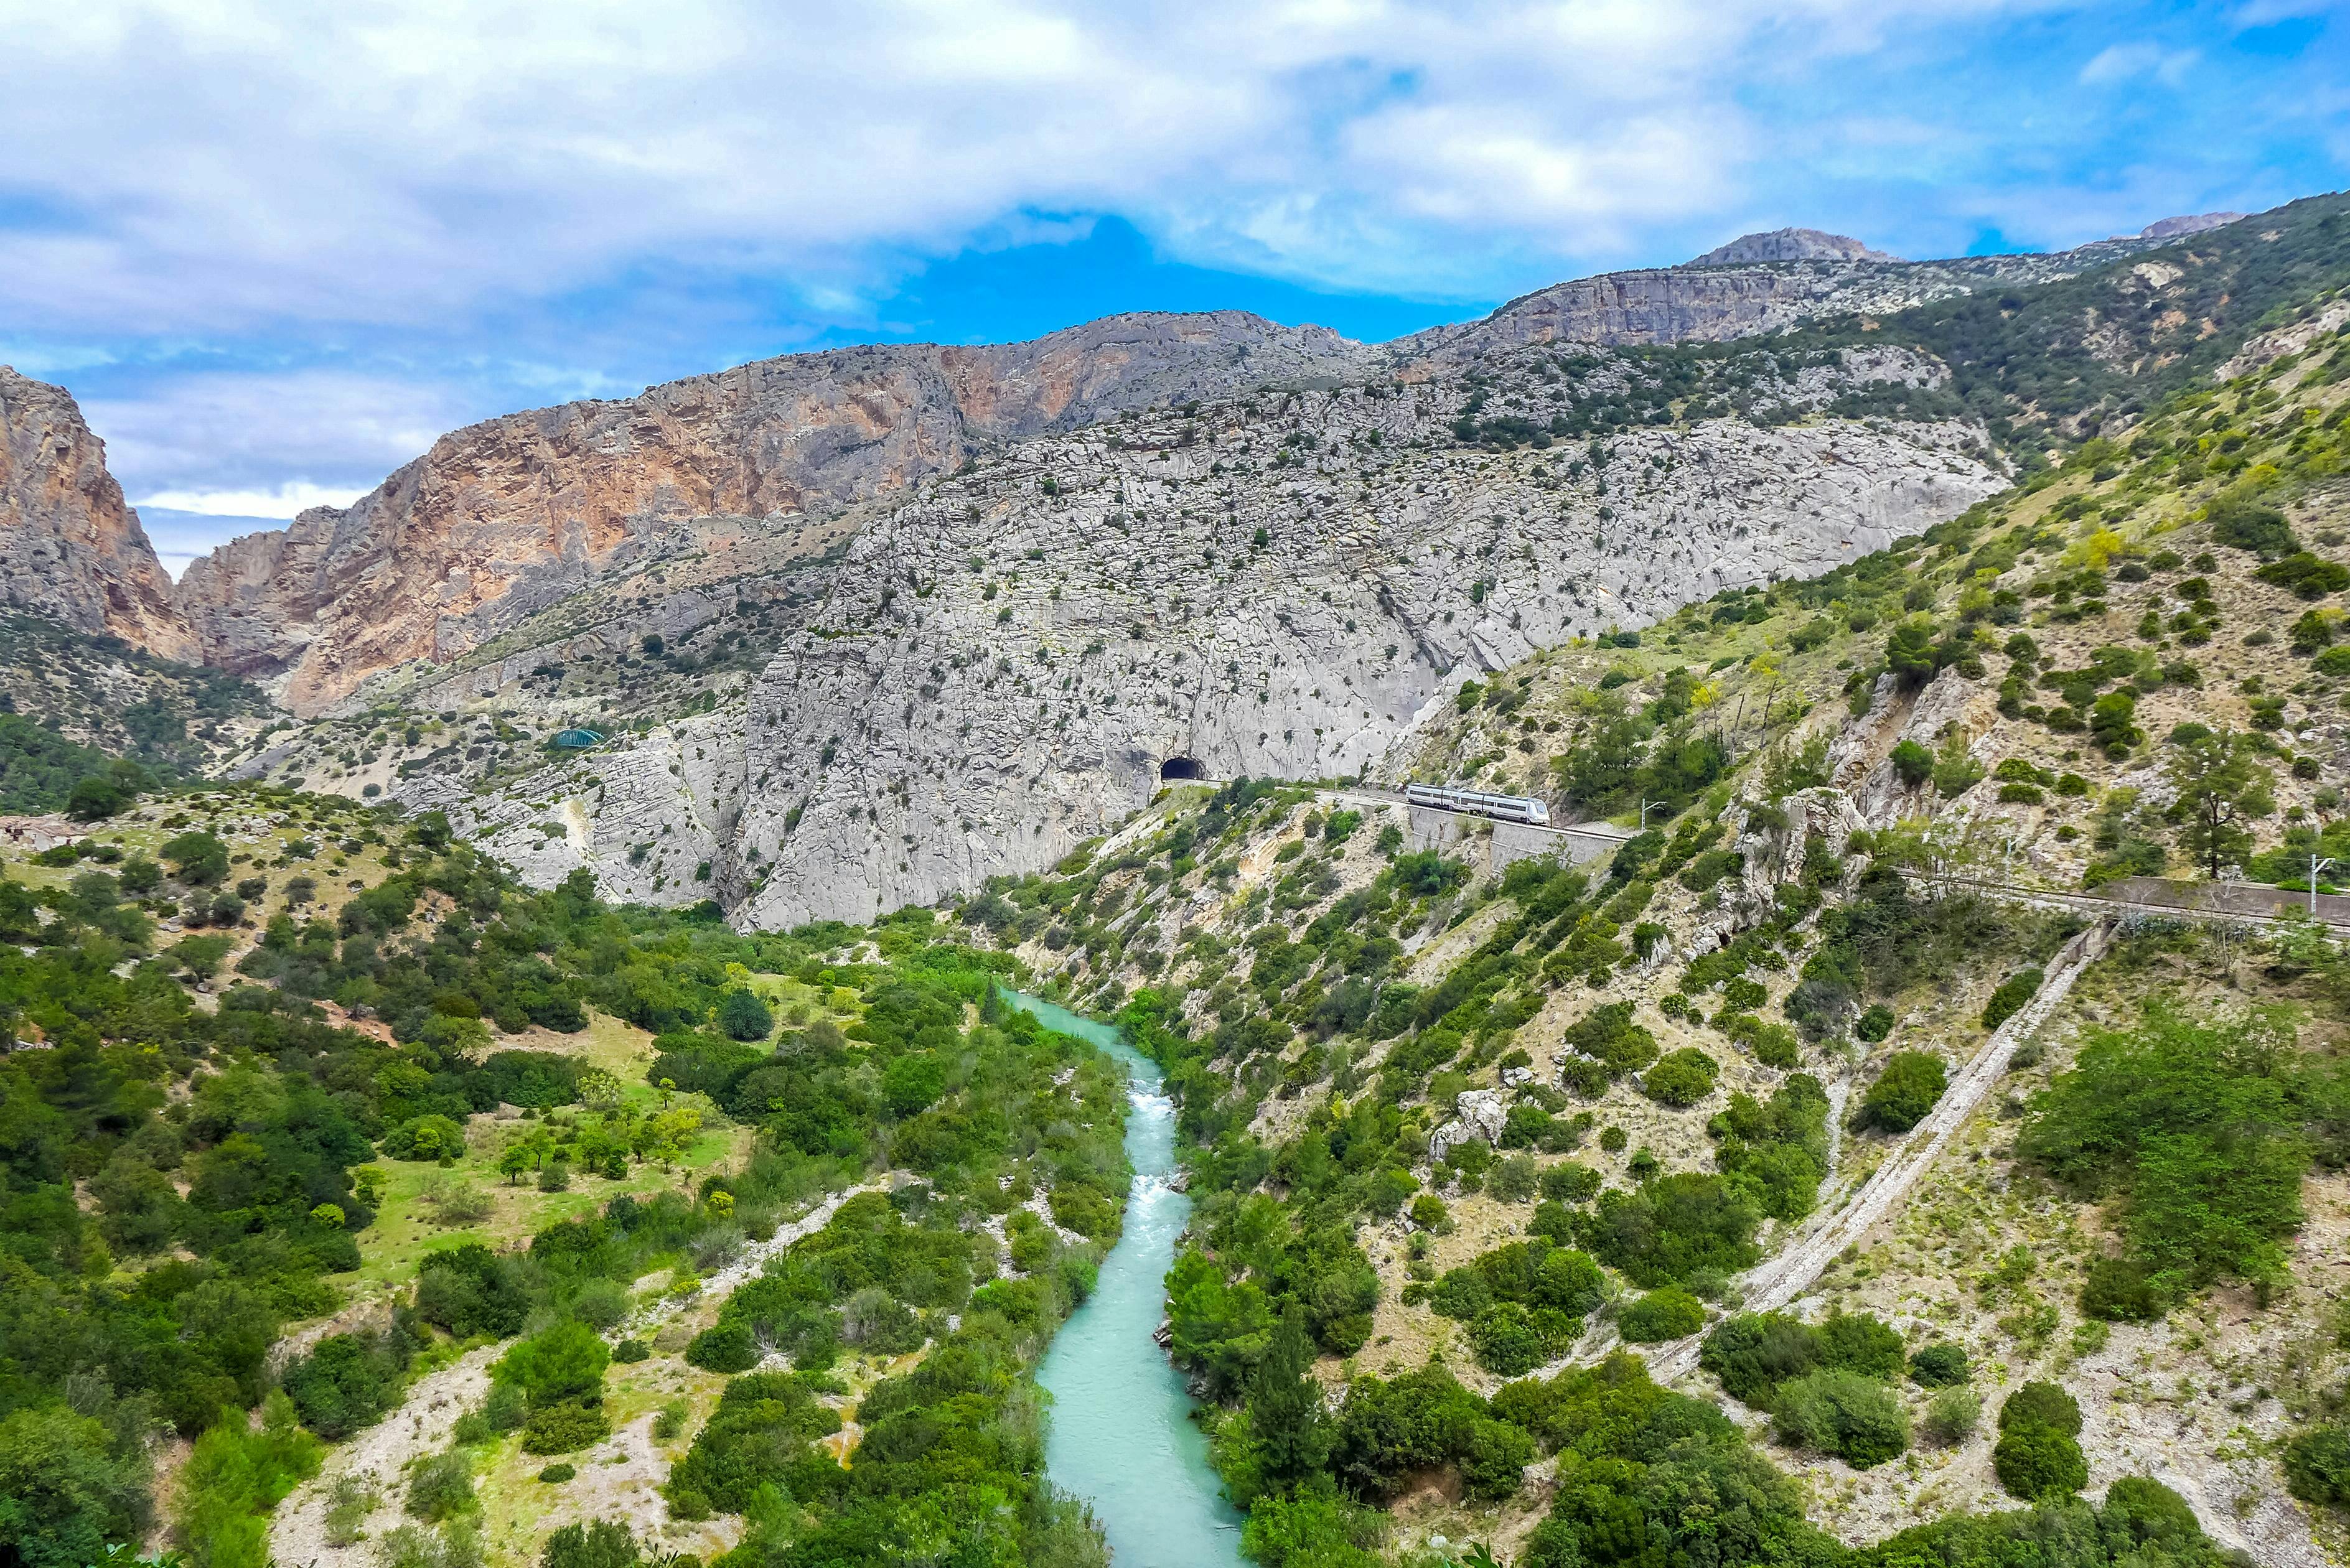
<point x="380" y="1455"/>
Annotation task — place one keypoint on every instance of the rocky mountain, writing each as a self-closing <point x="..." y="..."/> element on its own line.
<point x="503" y="519"/>
<point x="69" y="547"/>
<point x="1791" y="245"/>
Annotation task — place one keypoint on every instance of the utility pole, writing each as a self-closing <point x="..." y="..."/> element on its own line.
<point x="1649" y="805"/>
<point x="2315" y="865"/>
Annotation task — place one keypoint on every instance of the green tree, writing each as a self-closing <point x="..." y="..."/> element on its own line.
<point x="1285" y="1409"/>
<point x="2217" y="783"/>
<point x="743" y="1016"/>
<point x="65" y="1494"/>
<point x="566" y="1362"/>
<point x="1904" y="1092"/>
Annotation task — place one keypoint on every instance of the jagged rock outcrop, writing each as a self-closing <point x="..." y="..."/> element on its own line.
<point x="69" y="547"/>
<point x="1789" y="245"/>
<point x="504" y="518"/>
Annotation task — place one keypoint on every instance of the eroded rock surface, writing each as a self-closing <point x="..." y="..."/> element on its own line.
<point x="69" y="547"/>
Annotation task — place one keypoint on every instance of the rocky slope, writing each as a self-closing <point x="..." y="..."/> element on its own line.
<point x="1277" y="586"/>
<point x="502" y="519"/>
<point x="69" y="547"/>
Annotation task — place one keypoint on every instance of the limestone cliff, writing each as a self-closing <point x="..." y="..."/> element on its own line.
<point x="1003" y="664"/>
<point x="504" y="518"/>
<point x="69" y="547"/>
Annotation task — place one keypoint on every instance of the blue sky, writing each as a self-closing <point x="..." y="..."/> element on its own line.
<point x="276" y="251"/>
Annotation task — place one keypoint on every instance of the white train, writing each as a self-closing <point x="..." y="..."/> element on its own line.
<point x="1477" y="802"/>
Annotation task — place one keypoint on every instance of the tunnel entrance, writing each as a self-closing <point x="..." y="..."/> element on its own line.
<point x="1181" y="768"/>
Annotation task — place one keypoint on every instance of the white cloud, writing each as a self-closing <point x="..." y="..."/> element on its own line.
<point x="2127" y="62"/>
<point x="237" y="166"/>
<point x="283" y="501"/>
<point x="262" y="444"/>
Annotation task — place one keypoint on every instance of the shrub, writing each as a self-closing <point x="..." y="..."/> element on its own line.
<point x="1952" y="1412"/>
<point x="1904" y="1092"/>
<point x="1939" y="1365"/>
<point x="565" y="1428"/>
<point x="632" y="1350"/>
<point x="425" y="1138"/>
<point x="1506" y="1341"/>
<point x="2306" y="575"/>
<point x="670" y="1421"/>
<point x="440" y="1487"/>
<point x="727" y="1347"/>
<point x="1682" y="1078"/>
<point x="348" y="1381"/>
<point x="1876" y="1024"/>
<point x="599" y="1543"/>
<point x="2038" y="1456"/>
<point x="1913" y="764"/>
<point x="745" y="1016"/>
<point x="1854" y="1418"/>
<point x="561" y="1471"/>
<point x="2317" y="1465"/>
<point x="2119" y="1290"/>
<point x="1667" y="1314"/>
<point x="2008" y="998"/>
<point x="2244" y="524"/>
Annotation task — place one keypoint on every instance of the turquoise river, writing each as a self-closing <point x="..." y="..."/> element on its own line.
<point x="1122" y="1437"/>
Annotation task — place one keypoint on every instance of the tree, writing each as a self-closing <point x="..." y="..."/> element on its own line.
<point x="566" y="1362"/>
<point x="744" y="1017"/>
<point x="197" y="858"/>
<point x="513" y="1162"/>
<point x="1907" y="1088"/>
<point x="1910" y="652"/>
<point x="2217" y="783"/>
<point x="64" y="1496"/>
<point x="600" y="1544"/>
<point x="1285" y="1420"/>
<point x="95" y="796"/>
<point x="1912" y="763"/>
<point x="2038" y="1456"/>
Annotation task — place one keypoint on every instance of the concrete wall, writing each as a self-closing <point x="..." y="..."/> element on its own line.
<point x="1491" y="848"/>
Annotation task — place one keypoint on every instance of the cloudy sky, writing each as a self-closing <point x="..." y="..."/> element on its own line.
<point x="276" y="250"/>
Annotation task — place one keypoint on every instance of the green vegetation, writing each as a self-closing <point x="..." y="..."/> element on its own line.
<point x="2198" y="1132"/>
<point x="2038" y="1456"/>
<point x="1905" y="1090"/>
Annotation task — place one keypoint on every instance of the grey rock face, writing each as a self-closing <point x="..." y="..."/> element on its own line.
<point x="1789" y="245"/>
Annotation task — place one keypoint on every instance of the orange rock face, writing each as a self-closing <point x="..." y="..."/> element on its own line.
<point x="502" y="519"/>
<point x="69" y="547"/>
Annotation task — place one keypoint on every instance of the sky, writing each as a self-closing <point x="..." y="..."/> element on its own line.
<point x="277" y="250"/>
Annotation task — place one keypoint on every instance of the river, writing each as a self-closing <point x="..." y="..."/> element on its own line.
<point x="1121" y="1436"/>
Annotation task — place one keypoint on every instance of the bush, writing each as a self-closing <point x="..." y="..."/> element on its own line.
<point x="1856" y="1418"/>
<point x="727" y="1347"/>
<point x="2119" y="1290"/>
<point x="1682" y="1078"/>
<point x="2008" y="998"/>
<point x="1506" y="1341"/>
<point x="2038" y="1456"/>
<point x="1951" y="1415"/>
<point x="631" y="1351"/>
<point x="440" y="1487"/>
<point x="1876" y="1024"/>
<point x="425" y="1138"/>
<point x="1939" y="1365"/>
<point x="2244" y="524"/>
<point x="1667" y="1314"/>
<point x="560" y="1471"/>
<point x="348" y="1381"/>
<point x="565" y="1428"/>
<point x="600" y="1543"/>
<point x="745" y="1016"/>
<point x="2317" y="1465"/>
<point x="1912" y="763"/>
<point x="1904" y="1093"/>
<point x="2306" y="575"/>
